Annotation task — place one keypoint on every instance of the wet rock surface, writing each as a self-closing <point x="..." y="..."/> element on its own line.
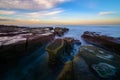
<point x="69" y="41"/>
<point x="67" y="72"/>
<point x="60" y="31"/>
<point x="81" y="67"/>
<point x="110" y="43"/>
<point x="56" y="51"/>
<point x="77" y="42"/>
<point x="68" y="60"/>
<point x="92" y="56"/>
<point x="60" y="49"/>
<point x="18" y="42"/>
<point x="15" y="46"/>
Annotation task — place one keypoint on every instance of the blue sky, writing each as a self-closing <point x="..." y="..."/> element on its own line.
<point x="60" y="11"/>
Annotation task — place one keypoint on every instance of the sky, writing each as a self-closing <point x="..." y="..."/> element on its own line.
<point x="73" y="12"/>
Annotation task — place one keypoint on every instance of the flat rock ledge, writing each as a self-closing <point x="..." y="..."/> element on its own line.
<point x="91" y="63"/>
<point x="110" y="43"/>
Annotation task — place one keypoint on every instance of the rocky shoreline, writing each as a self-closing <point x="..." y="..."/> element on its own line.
<point x="82" y="66"/>
<point x="87" y="64"/>
<point x="22" y="40"/>
<point x="111" y="43"/>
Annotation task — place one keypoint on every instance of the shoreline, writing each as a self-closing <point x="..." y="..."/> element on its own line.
<point x="46" y="35"/>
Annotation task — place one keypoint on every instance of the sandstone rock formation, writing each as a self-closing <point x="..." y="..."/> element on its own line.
<point x="60" y="49"/>
<point x="81" y="67"/>
<point x="56" y="51"/>
<point x="21" y="41"/>
<point x="60" y="31"/>
<point x="110" y="43"/>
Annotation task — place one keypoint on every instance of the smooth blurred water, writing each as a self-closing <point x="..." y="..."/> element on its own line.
<point x="106" y="30"/>
<point x="77" y="31"/>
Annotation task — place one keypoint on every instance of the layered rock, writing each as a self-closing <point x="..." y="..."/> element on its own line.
<point x="110" y="43"/>
<point x="82" y="67"/>
<point x="60" y="49"/>
<point x="76" y="70"/>
<point x="56" y="51"/>
<point x="77" y="42"/>
<point x="69" y="44"/>
<point x="14" y="48"/>
<point x="98" y="58"/>
<point x="60" y="31"/>
<point x="67" y="72"/>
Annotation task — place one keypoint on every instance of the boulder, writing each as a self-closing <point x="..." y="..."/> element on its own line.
<point x="107" y="42"/>
<point x="56" y="50"/>
<point x="69" y="44"/>
<point x="60" y="31"/>
<point x="77" y="42"/>
<point x="50" y="28"/>
<point x="60" y="49"/>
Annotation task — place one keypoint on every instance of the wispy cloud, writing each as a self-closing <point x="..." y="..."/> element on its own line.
<point x="54" y="12"/>
<point x="30" y="15"/>
<point x="7" y="12"/>
<point x="30" y="4"/>
<point x="44" y="13"/>
<point x="6" y="19"/>
<point x="106" y="13"/>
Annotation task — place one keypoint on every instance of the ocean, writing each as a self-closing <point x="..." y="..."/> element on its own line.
<point x="113" y="31"/>
<point x="77" y="31"/>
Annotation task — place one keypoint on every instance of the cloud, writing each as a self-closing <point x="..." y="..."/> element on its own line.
<point x="54" y="12"/>
<point x="106" y="13"/>
<point x="30" y="4"/>
<point x="6" y="19"/>
<point x="6" y="12"/>
<point x="44" y="13"/>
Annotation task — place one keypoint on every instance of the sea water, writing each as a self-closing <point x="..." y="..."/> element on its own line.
<point x="77" y="31"/>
